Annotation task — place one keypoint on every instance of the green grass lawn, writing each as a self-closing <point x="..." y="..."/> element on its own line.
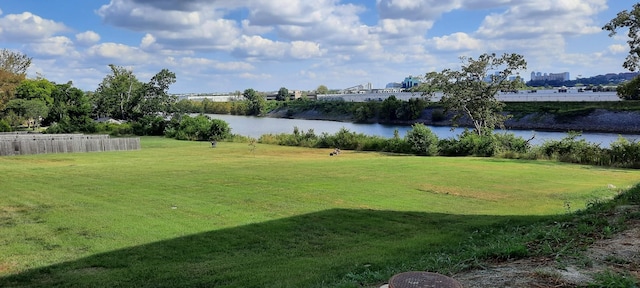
<point x="184" y="214"/>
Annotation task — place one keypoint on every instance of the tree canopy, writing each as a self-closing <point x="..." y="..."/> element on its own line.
<point x="14" y="62"/>
<point x="31" y="111"/>
<point x="322" y="89"/>
<point x="471" y="92"/>
<point x="39" y="88"/>
<point x="13" y="70"/>
<point x="122" y="96"/>
<point x="256" y="102"/>
<point x="71" y="110"/>
<point x="629" y="90"/>
<point x="115" y="95"/>
<point x="631" y="21"/>
<point x="283" y="94"/>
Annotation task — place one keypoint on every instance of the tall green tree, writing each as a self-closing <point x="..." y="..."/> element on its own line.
<point x="322" y="89"/>
<point x="389" y="108"/>
<point x="13" y="70"/>
<point x="629" y="90"/>
<point x="631" y="21"/>
<point x="256" y="103"/>
<point x="121" y="95"/>
<point x="117" y="93"/>
<point x="39" y="88"/>
<point x="71" y="110"/>
<point x="283" y="94"/>
<point x="411" y="109"/>
<point x="155" y="96"/>
<point x="31" y="111"/>
<point x="471" y="92"/>
<point x="33" y="100"/>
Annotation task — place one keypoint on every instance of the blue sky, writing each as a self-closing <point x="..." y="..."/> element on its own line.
<point x="232" y="45"/>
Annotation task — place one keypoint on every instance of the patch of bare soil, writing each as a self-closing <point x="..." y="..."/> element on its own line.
<point x="619" y="253"/>
<point x="7" y="267"/>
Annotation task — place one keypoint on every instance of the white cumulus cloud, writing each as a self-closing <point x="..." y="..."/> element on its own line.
<point x="257" y="46"/>
<point x="304" y="50"/>
<point x="427" y="10"/>
<point x="119" y="54"/>
<point x="87" y="38"/>
<point x="532" y="18"/>
<point x="26" y="27"/>
<point x="54" y="46"/>
<point x="457" y="41"/>
<point x="618" y="48"/>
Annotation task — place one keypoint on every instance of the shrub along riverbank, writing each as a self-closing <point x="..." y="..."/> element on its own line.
<point x="421" y="141"/>
<point x="183" y="214"/>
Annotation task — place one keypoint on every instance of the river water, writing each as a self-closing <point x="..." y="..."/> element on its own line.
<point x="258" y="126"/>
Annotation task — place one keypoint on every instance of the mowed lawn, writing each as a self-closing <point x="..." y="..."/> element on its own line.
<point x="180" y="213"/>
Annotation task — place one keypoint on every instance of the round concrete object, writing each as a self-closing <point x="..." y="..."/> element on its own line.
<point x="421" y="279"/>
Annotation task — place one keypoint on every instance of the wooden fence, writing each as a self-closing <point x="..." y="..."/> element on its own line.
<point x="23" y="144"/>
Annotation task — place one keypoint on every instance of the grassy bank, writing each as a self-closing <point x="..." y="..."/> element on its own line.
<point x="184" y="214"/>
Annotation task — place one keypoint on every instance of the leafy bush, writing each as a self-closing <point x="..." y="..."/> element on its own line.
<point x="487" y="145"/>
<point x="373" y="143"/>
<point x="365" y="112"/>
<point x="4" y="126"/>
<point x="467" y="144"/>
<point x="397" y="144"/>
<point x="411" y="109"/>
<point x="198" y="128"/>
<point x="624" y="153"/>
<point x="509" y="143"/>
<point x="308" y="139"/>
<point x="239" y="108"/>
<point x="343" y="139"/>
<point x="149" y="126"/>
<point x="219" y="130"/>
<point x="629" y="90"/>
<point x="389" y="108"/>
<point x="479" y="145"/>
<point x="573" y="150"/>
<point x="57" y="128"/>
<point x="422" y="140"/>
<point x="66" y="125"/>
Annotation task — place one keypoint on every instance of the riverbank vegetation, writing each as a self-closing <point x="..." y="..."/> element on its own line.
<point x="233" y="216"/>
<point x="421" y="141"/>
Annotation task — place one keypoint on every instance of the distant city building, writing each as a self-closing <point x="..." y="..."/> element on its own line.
<point x="358" y="89"/>
<point x="538" y="76"/>
<point x="393" y="85"/>
<point x="488" y="77"/>
<point x="410" y="82"/>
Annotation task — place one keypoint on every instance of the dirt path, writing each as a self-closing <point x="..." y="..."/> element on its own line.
<point x="620" y="253"/>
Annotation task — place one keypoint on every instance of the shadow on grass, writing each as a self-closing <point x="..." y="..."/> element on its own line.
<point x="332" y="248"/>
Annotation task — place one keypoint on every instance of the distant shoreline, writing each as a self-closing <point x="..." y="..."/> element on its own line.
<point x="598" y="121"/>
